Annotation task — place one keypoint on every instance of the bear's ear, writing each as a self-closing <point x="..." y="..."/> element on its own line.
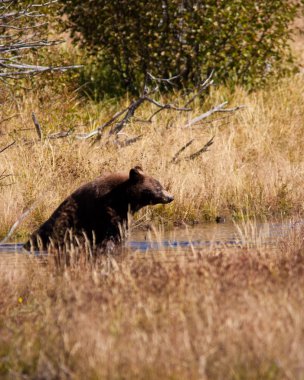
<point x="136" y="174"/>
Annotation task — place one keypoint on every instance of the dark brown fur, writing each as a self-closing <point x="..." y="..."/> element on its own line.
<point x="97" y="210"/>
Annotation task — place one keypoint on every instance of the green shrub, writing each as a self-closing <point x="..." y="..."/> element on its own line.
<point x="245" y="42"/>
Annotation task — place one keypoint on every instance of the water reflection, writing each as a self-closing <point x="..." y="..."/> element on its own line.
<point x="204" y="236"/>
<point x="213" y="235"/>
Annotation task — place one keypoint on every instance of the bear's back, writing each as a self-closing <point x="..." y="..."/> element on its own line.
<point x="101" y="186"/>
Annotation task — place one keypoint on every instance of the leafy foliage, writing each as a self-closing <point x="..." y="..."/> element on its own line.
<point x="243" y="41"/>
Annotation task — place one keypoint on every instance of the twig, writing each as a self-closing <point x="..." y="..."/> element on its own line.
<point x="164" y="107"/>
<point x="8" y="118"/>
<point x="202" y="150"/>
<point x="174" y="159"/>
<point x="193" y="155"/>
<point x="208" y="82"/>
<point x="37" y="126"/>
<point x="130" y="141"/>
<point x="3" y="175"/>
<point x="232" y="109"/>
<point x="8" y="146"/>
<point x="18" y="221"/>
<point x="166" y="80"/>
<point x="167" y="106"/>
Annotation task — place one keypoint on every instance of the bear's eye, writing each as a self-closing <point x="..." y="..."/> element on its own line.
<point x="147" y="192"/>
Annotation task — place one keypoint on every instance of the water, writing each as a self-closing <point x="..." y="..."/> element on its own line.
<point x="200" y="237"/>
<point x="214" y="235"/>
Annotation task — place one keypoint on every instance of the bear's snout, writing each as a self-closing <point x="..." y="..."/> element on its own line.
<point x="167" y="197"/>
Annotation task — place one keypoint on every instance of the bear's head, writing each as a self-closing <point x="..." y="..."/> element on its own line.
<point x="144" y="190"/>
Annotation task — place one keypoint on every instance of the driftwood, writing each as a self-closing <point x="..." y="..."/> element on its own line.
<point x="122" y="118"/>
<point x="128" y="115"/>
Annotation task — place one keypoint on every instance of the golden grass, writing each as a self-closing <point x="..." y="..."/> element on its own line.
<point x="216" y="314"/>
<point x="227" y="314"/>
<point x="255" y="167"/>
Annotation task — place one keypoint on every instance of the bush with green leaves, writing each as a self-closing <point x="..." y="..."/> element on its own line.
<point x="244" y="42"/>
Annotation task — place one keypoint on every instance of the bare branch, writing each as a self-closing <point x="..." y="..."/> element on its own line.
<point x="16" y="40"/>
<point x="34" y="70"/>
<point x="232" y="109"/>
<point x="193" y="155"/>
<point x="166" y="80"/>
<point x="97" y="131"/>
<point x="44" y="4"/>
<point x="130" y="112"/>
<point x="177" y="154"/>
<point x="208" y="82"/>
<point x="205" y="114"/>
<point x="167" y="106"/>
<point x="7" y="26"/>
<point x="202" y="150"/>
<point x="219" y="108"/>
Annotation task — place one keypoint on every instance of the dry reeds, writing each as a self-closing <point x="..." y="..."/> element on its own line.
<point x="227" y="314"/>
<point x="255" y="166"/>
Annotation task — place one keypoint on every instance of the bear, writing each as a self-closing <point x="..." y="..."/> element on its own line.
<point x="98" y="211"/>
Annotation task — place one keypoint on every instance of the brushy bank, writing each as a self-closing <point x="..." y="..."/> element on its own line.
<point x="219" y="314"/>
<point x="254" y="168"/>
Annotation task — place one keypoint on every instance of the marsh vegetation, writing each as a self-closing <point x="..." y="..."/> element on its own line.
<point x="212" y="312"/>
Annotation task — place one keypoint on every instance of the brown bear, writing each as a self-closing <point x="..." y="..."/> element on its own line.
<point x="98" y="210"/>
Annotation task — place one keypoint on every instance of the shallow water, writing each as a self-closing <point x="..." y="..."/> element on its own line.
<point x="200" y="237"/>
<point x="213" y="235"/>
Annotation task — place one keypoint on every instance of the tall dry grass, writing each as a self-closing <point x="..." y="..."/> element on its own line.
<point x="255" y="167"/>
<point x="217" y="314"/>
<point x="225" y="314"/>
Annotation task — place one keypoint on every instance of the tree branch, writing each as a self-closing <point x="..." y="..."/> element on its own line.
<point x="219" y="108"/>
